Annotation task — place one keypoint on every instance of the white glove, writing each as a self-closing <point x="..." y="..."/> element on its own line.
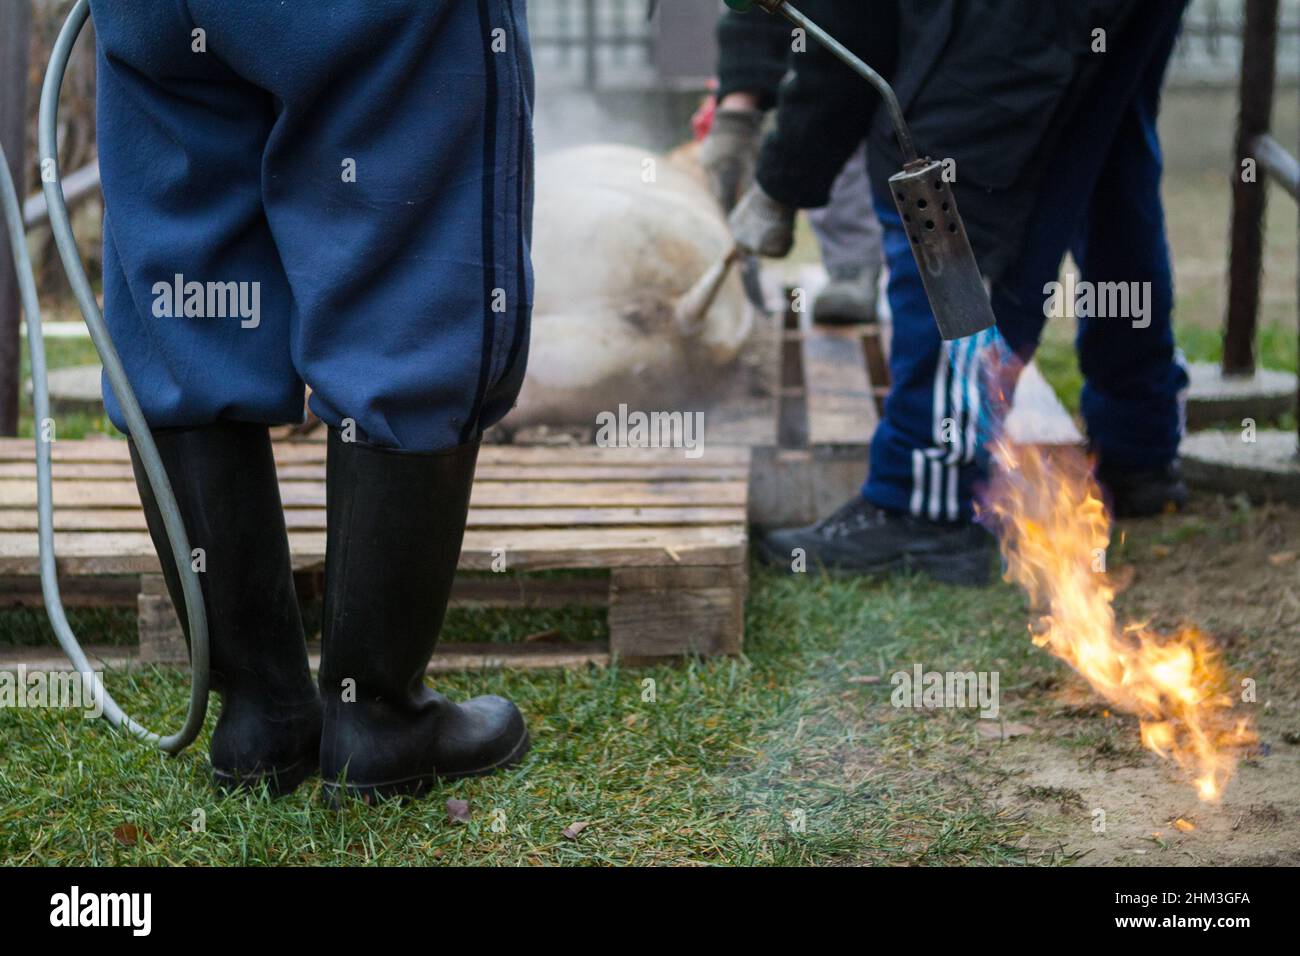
<point x="761" y="225"/>
<point x="730" y="152"/>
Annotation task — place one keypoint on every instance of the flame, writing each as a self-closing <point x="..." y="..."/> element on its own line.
<point x="1054" y="531"/>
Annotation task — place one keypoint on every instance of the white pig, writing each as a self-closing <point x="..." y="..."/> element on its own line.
<point x="619" y="234"/>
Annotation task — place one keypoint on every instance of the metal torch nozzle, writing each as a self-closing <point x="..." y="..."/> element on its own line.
<point x="952" y="279"/>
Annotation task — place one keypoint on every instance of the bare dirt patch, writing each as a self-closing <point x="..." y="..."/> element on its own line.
<point x="1082" y="780"/>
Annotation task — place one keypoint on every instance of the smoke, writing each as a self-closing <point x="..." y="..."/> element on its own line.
<point x="653" y="119"/>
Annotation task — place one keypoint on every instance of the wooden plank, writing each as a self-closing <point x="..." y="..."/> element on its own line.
<point x="315" y="471"/>
<point x="569" y="655"/>
<point x="791" y="413"/>
<point x="101" y="591"/>
<point x="469" y="591"/>
<point x="515" y="591"/>
<point x="676" y="527"/>
<point x="101" y="656"/>
<point x="15" y="493"/>
<point x="127" y="552"/>
<point x="448" y="658"/>
<point x="873" y="347"/>
<point x="665" y="612"/>
<point x="841" y="407"/>
<point x="15" y="40"/>
<point x="161" y="639"/>
<point x="313" y="519"/>
<point x="115" y="450"/>
<point x="702" y="576"/>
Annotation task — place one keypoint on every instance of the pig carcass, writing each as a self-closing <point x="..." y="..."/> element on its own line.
<point x="619" y="235"/>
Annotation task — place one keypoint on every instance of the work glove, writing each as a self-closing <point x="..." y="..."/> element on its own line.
<point x="762" y="226"/>
<point x="730" y="152"/>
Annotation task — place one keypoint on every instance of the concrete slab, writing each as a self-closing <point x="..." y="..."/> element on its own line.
<point x="1037" y="416"/>
<point x="1214" y="400"/>
<point x="1267" y="468"/>
<point x="75" y="389"/>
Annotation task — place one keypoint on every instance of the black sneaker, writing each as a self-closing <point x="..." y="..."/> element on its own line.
<point x="1141" y="494"/>
<point x="862" y="539"/>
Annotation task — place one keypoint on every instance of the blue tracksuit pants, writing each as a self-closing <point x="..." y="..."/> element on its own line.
<point x="1101" y="202"/>
<point x="323" y="192"/>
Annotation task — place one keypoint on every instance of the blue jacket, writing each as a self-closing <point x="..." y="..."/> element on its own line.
<point x="992" y="84"/>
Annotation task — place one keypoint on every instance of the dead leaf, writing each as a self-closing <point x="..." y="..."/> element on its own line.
<point x="1282" y="558"/>
<point x="1121" y="578"/>
<point x="865" y="679"/>
<point x="573" y="829"/>
<point x="458" y="811"/>
<point x="548" y="636"/>
<point x="1185" y="825"/>
<point x="127" y="834"/>
<point x="996" y="731"/>
<point x="1161" y="550"/>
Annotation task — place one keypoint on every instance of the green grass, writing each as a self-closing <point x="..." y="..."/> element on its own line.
<point x="1059" y="363"/>
<point x="29" y="627"/>
<point x="62" y="353"/>
<point x="714" y="771"/>
<point x="1275" y="346"/>
<point x="717" y="769"/>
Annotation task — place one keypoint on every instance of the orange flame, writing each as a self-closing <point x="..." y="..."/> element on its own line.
<point x="1054" y="532"/>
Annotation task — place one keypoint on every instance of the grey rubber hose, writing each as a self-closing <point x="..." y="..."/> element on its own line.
<point x="136" y="425"/>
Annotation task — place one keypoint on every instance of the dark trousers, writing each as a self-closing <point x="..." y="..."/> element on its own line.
<point x="1100" y="202"/>
<point x="322" y="192"/>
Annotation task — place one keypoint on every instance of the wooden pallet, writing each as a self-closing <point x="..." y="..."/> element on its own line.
<point x="833" y="382"/>
<point x="665" y="535"/>
<point x="810" y="424"/>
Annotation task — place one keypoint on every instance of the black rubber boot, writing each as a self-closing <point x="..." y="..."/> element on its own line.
<point x="396" y="522"/>
<point x="225" y="484"/>
<point x="1142" y="494"/>
<point x="861" y="539"/>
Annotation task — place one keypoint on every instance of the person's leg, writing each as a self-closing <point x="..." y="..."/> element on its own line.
<point x="397" y="181"/>
<point x="926" y="462"/>
<point x="914" y="511"/>
<point x="849" y="235"/>
<point x="1134" y="378"/>
<point x="398" y="185"/>
<point x="924" y="455"/>
<point x="1108" y="161"/>
<point x="179" y="140"/>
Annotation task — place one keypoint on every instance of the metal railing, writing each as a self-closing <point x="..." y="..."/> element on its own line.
<point x="1209" y="50"/>
<point x="1260" y="159"/>
<point x="587" y="43"/>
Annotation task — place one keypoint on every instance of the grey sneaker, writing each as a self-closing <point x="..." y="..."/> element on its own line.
<point x="849" y="298"/>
